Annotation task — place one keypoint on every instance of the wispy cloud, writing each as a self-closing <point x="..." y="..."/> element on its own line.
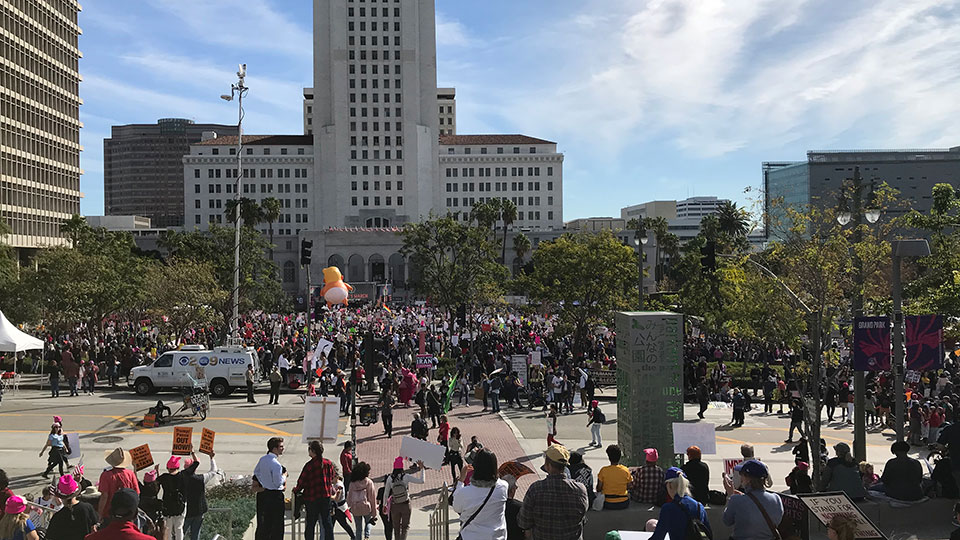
<point x="452" y="33"/>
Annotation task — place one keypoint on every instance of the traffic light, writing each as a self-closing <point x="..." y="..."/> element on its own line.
<point x="305" y="246"/>
<point x="708" y="257"/>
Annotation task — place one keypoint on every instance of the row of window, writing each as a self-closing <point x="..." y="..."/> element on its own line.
<point x="365" y="140"/>
<point x="376" y="126"/>
<point x="532" y="215"/>
<point x="519" y="201"/>
<point x="454" y="187"/>
<point x="388" y="185"/>
<point x="375" y="84"/>
<point x="252" y="173"/>
<point x="249" y="151"/>
<point x="252" y="188"/>
<point x="354" y="201"/>
<point x="387" y="154"/>
<point x="283" y="218"/>
<point x="470" y="172"/>
<point x="374" y="69"/>
<point x="375" y="99"/>
<point x="365" y="169"/>
<point x="384" y="12"/>
<point x="284" y="203"/>
<point x="384" y="27"/>
<point x="352" y="41"/>
<point x="483" y="150"/>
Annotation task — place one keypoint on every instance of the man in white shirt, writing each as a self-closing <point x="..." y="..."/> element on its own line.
<point x="271" y="476"/>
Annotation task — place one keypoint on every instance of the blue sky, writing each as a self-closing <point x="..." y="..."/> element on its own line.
<point x="659" y="99"/>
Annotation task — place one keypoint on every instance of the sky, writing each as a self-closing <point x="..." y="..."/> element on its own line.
<point x="648" y="100"/>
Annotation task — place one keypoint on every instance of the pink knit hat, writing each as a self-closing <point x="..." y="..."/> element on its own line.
<point x="67" y="486"/>
<point x="398" y="463"/>
<point x="652" y="455"/>
<point x="15" y="505"/>
<point x="173" y="462"/>
<point x="150" y="476"/>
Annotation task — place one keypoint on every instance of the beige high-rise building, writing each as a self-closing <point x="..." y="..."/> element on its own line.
<point x="39" y="119"/>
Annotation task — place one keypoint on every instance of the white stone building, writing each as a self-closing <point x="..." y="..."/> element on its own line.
<point x="447" y="102"/>
<point x="525" y="170"/>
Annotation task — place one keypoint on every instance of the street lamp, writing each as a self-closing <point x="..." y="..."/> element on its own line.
<point x="851" y="209"/>
<point x="639" y="240"/>
<point x="900" y="249"/>
<point x="238" y="90"/>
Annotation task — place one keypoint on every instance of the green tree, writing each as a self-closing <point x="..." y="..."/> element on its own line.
<point x="456" y="262"/>
<point x="74" y="228"/>
<point x="521" y="246"/>
<point x="585" y="277"/>
<point x="732" y="221"/>
<point x="184" y="294"/>
<point x="249" y="210"/>
<point x="508" y="214"/>
<point x="270" y="209"/>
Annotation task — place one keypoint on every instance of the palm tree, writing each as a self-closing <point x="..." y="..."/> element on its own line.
<point x="732" y="220"/>
<point x="521" y="246"/>
<point x="270" y="212"/>
<point x="508" y="214"/>
<point x="249" y="210"/>
<point x="660" y="229"/>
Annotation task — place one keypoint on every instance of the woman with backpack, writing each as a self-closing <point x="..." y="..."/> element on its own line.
<point x="397" y="491"/>
<point x="682" y="517"/>
<point x="597" y="418"/>
<point x="362" y="499"/>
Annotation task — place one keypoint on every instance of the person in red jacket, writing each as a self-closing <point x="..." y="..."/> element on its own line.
<point x="123" y="510"/>
<point x="346" y="464"/>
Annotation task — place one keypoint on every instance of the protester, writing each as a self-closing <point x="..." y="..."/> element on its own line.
<point x="419" y="428"/>
<point x="554" y="508"/>
<point x="362" y="499"/>
<point x="397" y="487"/>
<point x="76" y="519"/>
<point x="59" y="449"/>
<point x="123" y="512"/>
<point x="796" y="419"/>
<point x="275" y="379"/>
<point x="339" y="503"/>
<point x="270" y="480"/>
<point x="676" y="515"/>
<point x="597" y="418"/>
<point x="195" y="488"/>
<point x="842" y="473"/>
<point x="902" y="475"/>
<point x="346" y="463"/>
<point x="552" y="425"/>
<point x="646" y="485"/>
<point x="512" y="509"/>
<point x="867" y="475"/>
<point x="581" y="472"/>
<point x="482" y="503"/>
<point x="250" y="377"/>
<point x="799" y="480"/>
<point x="46" y="505"/>
<point x="613" y="481"/>
<point x="174" y="498"/>
<point x="117" y="477"/>
<point x="386" y="412"/>
<point x="5" y="491"/>
<point x="453" y="455"/>
<point x="697" y="474"/>
<point x="317" y="486"/>
<point x="15" y="523"/>
<point x="755" y="512"/>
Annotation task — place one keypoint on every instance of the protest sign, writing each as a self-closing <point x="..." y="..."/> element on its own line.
<point x="730" y="463"/>
<point x="424" y="361"/>
<point x="182" y="441"/>
<point x="699" y="434"/>
<point x="519" y="364"/>
<point x="795" y="521"/>
<point x="321" y="416"/>
<point x="73" y="440"/>
<point x="536" y="358"/>
<point x="826" y="505"/>
<point x="514" y="469"/>
<point x="430" y="454"/>
<point x="142" y="458"/>
<point x="206" y="441"/>
<point x="149" y="420"/>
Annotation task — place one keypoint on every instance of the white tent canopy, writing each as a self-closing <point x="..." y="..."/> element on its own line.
<point x="12" y="339"/>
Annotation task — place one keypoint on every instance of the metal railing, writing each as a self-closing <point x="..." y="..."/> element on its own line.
<point x="440" y="517"/>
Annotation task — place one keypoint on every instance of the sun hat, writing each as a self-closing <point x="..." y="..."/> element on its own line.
<point x="673" y="472"/>
<point x="557" y="453"/>
<point x="398" y="463"/>
<point x="15" y="505"/>
<point x="117" y="458"/>
<point x="652" y="455"/>
<point x="90" y="491"/>
<point x="173" y="462"/>
<point x="67" y="486"/>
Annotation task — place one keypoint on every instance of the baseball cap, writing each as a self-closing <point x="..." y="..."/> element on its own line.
<point x="125" y="501"/>
<point x="557" y="454"/>
<point x="652" y="455"/>
<point x="754" y="468"/>
<point x="673" y="472"/>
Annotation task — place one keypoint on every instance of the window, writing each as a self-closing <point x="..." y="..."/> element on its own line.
<point x="289" y="272"/>
<point x="353" y="201"/>
<point x="283" y="151"/>
<point x="233" y="151"/>
<point x="197" y="219"/>
<point x="533" y="149"/>
<point x="249" y="151"/>
<point x="549" y="186"/>
<point x="500" y="150"/>
<point x="215" y="151"/>
<point x="483" y="150"/>
<point x="196" y="204"/>
<point x="196" y="188"/>
<point x="399" y="201"/>
<point x="266" y="151"/>
<point x="196" y="173"/>
<point x="516" y="149"/>
<point x="299" y="151"/>
<point x="549" y="171"/>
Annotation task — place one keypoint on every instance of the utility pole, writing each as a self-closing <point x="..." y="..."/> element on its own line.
<point x="859" y="377"/>
<point x="238" y="90"/>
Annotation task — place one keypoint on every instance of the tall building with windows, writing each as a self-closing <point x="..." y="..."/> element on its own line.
<point x="143" y="168"/>
<point x="39" y="120"/>
<point x="375" y="121"/>
<point x="447" y="101"/>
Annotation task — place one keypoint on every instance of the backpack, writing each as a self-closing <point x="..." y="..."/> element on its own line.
<point x="601" y="418"/>
<point x="696" y="530"/>
<point x="398" y="492"/>
<point x="357" y="501"/>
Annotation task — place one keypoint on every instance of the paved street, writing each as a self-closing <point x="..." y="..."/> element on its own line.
<point x="109" y="419"/>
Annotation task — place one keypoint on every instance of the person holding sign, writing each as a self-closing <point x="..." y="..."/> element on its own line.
<point x="174" y="499"/>
<point x="195" y="488"/>
<point x="397" y="488"/>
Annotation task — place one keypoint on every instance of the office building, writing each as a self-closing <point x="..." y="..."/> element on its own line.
<point x="522" y="169"/>
<point x="143" y="168"/>
<point x="818" y="180"/>
<point x="447" y="103"/>
<point x="39" y="121"/>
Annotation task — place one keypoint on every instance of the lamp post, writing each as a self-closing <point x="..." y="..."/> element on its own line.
<point x="639" y="240"/>
<point x="900" y="249"/>
<point x="237" y="90"/>
<point x="857" y="214"/>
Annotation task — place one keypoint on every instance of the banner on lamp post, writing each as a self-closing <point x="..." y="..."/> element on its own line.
<point x="924" y="337"/>
<point x="871" y="344"/>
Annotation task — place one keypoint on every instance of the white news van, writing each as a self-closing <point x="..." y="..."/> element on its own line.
<point x="224" y="369"/>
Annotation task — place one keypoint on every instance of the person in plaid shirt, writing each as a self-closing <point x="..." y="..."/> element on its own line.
<point x="647" y="484"/>
<point x="554" y="508"/>
<point x="317" y="486"/>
